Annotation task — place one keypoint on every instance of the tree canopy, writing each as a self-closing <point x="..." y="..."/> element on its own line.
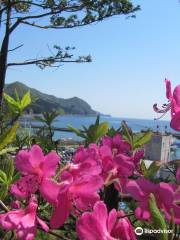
<point x="53" y="14"/>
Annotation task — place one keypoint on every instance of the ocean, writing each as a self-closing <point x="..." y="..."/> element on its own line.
<point x="77" y="122"/>
<point x="136" y="124"/>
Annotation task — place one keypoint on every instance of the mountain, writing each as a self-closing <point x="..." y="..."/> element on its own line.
<point x="45" y="102"/>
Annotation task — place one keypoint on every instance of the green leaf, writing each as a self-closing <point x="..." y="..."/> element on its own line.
<point x="17" y="96"/>
<point x="76" y="131"/>
<point x="158" y="220"/>
<point x="16" y="177"/>
<point x="152" y="170"/>
<point x="3" y="191"/>
<point x="142" y="139"/>
<point x="97" y="120"/>
<point x="143" y="168"/>
<point x="8" y="136"/>
<point x="127" y="133"/>
<point x="26" y="100"/>
<point x="8" y="150"/>
<point x="3" y="177"/>
<point x="85" y="128"/>
<point x="10" y="100"/>
<point x="9" y="169"/>
<point x="102" y="130"/>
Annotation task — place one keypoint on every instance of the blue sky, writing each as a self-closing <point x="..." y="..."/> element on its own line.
<point x="131" y="58"/>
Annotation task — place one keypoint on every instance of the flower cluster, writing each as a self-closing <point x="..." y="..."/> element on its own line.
<point x="79" y="188"/>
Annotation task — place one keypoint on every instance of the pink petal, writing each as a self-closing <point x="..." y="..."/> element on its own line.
<point x="166" y="194"/>
<point x="10" y="220"/>
<point x="92" y="226"/>
<point x="89" y="165"/>
<point x="124" y="165"/>
<point x="26" y="233"/>
<point x="87" y="201"/>
<point x="43" y="224"/>
<point x="100" y="212"/>
<point x="117" y="140"/>
<point x="105" y="153"/>
<point x="16" y="204"/>
<point x="123" y="230"/>
<point x="88" y="228"/>
<point x="22" y="162"/>
<point x="86" y="184"/>
<point x="28" y="162"/>
<point x="168" y="89"/>
<point x="107" y="141"/>
<point x="176" y="94"/>
<point x="36" y="156"/>
<point x="175" y="122"/>
<point x="139" y="154"/>
<point x="50" y="164"/>
<point x="142" y="213"/>
<point x="111" y="220"/>
<point x="176" y="211"/>
<point x="25" y="186"/>
<point x="49" y="189"/>
<point x="140" y="188"/>
<point x="28" y="220"/>
<point x="61" y="211"/>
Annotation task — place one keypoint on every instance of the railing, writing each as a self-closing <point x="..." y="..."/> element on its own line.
<point x="53" y="128"/>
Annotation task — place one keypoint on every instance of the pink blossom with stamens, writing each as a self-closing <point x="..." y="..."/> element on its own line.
<point x="34" y="167"/>
<point x="173" y="105"/>
<point x="117" y="144"/>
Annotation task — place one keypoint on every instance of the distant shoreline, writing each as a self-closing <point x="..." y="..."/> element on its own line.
<point x="31" y="115"/>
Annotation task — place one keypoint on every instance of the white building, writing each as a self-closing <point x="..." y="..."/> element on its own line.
<point x="158" y="149"/>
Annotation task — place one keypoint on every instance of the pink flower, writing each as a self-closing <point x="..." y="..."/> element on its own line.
<point x="98" y="225"/>
<point x="23" y="221"/>
<point x="34" y="167"/>
<point x="16" y="204"/>
<point x="84" y="154"/>
<point x="173" y="105"/>
<point x="166" y="195"/>
<point x="71" y="194"/>
<point x="25" y="186"/>
<point x="117" y="144"/>
<point x="139" y="154"/>
<point x="115" y="168"/>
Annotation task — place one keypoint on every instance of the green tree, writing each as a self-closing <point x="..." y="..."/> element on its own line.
<point x="54" y="14"/>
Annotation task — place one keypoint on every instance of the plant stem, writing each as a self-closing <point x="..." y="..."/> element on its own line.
<point x="4" y="207"/>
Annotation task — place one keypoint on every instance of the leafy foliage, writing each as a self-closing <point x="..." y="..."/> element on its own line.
<point x="151" y="171"/>
<point x="6" y="176"/>
<point x="93" y="133"/>
<point x="14" y="108"/>
<point x="45" y="134"/>
<point x="135" y="139"/>
<point x="58" y="15"/>
<point x="17" y="106"/>
<point x="8" y="136"/>
<point x="158" y="221"/>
